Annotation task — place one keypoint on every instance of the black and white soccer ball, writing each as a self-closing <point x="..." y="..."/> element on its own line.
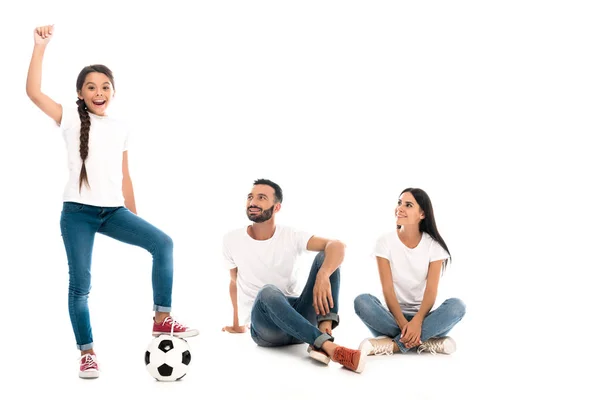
<point x="168" y="358"/>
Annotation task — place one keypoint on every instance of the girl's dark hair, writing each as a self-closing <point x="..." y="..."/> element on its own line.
<point x="84" y="116"/>
<point x="428" y="224"/>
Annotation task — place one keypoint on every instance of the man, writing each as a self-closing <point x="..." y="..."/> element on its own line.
<point x="261" y="260"/>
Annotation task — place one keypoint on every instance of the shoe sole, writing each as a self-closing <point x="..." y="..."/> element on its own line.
<point x="316" y="355"/>
<point x="449" y="345"/>
<point x="176" y="334"/>
<point x="365" y="349"/>
<point x="89" y="374"/>
<point x="364" y="343"/>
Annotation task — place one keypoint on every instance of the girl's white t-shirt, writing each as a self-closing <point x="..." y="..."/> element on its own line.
<point x="409" y="266"/>
<point x="108" y="139"/>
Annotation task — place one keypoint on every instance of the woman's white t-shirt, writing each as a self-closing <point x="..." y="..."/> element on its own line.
<point x="409" y="266"/>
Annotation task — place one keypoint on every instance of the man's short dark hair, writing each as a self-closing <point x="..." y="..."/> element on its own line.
<point x="276" y="188"/>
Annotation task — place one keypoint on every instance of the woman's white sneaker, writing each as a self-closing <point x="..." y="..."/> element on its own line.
<point x="441" y="345"/>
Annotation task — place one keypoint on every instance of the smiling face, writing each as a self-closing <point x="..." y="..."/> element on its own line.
<point x="408" y="211"/>
<point x="260" y="204"/>
<point x="97" y="92"/>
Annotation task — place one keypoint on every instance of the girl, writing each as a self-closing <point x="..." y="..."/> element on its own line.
<point x="98" y="197"/>
<point x="410" y="260"/>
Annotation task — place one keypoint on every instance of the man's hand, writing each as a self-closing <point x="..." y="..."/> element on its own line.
<point x="322" y="298"/>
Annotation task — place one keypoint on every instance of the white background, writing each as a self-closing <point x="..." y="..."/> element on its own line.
<point x="492" y="108"/>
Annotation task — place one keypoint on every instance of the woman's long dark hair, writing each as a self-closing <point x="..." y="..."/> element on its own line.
<point x="428" y="224"/>
<point x="84" y="117"/>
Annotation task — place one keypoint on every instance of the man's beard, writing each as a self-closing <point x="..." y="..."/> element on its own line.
<point x="262" y="217"/>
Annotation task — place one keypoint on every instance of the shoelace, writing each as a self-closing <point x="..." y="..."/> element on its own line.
<point x="383" y="347"/>
<point x="432" y="345"/>
<point x="173" y="324"/>
<point x="343" y="356"/>
<point x="88" y="362"/>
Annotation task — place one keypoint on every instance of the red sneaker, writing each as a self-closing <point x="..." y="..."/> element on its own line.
<point x="88" y="366"/>
<point x="171" y="327"/>
<point x="352" y="359"/>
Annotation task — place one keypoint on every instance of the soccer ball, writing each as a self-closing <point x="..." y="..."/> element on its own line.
<point x="168" y="358"/>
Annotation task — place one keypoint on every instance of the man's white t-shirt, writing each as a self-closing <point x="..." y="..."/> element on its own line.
<point x="261" y="262"/>
<point x="108" y="139"/>
<point x="409" y="266"/>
